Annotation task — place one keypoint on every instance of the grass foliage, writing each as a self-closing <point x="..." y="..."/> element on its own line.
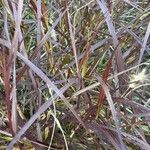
<point x="75" y="74"/>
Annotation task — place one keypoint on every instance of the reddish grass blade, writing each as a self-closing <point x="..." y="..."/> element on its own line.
<point x="7" y="88"/>
<point x="105" y="76"/>
<point x="33" y="6"/>
<point x="118" y="53"/>
<point x="44" y="14"/>
<point x="72" y="36"/>
<point x="113" y="111"/>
